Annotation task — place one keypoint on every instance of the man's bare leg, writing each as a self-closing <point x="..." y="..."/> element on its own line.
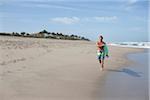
<point x="102" y="64"/>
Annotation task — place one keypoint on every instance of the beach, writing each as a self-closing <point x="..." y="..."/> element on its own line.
<point x="49" y="69"/>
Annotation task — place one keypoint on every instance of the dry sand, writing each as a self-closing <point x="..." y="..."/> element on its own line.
<point x="46" y="69"/>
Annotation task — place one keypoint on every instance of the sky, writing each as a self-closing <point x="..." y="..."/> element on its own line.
<point x="116" y="20"/>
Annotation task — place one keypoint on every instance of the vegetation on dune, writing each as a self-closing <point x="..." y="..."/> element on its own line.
<point x="46" y="34"/>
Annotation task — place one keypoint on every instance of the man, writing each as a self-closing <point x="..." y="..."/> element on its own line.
<point x="102" y="51"/>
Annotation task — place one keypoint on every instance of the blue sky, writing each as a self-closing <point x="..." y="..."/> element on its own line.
<point x="116" y="20"/>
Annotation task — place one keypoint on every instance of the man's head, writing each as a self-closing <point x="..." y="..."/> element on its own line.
<point x="101" y="37"/>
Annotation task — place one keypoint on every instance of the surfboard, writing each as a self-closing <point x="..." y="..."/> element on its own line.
<point x="105" y="51"/>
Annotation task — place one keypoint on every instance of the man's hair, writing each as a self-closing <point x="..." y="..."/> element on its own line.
<point x="101" y="36"/>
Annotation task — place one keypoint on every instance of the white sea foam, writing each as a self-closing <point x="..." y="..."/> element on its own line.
<point x="132" y="44"/>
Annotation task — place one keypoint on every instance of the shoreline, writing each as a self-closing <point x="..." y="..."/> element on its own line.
<point x="124" y="55"/>
<point x="36" y="69"/>
<point x="129" y="82"/>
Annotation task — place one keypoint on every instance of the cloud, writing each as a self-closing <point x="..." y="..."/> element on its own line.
<point x="65" y="20"/>
<point x="74" y="20"/>
<point x="105" y="18"/>
<point x="39" y="4"/>
<point x="29" y="0"/>
<point x="45" y="5"/>
<point x="57" y="0"/>
<point x="130" y="4"/>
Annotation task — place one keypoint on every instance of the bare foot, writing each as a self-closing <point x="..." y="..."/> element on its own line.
<point x="101" y="69"/>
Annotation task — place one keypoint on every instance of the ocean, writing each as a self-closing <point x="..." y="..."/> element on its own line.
<point x="132" y="44"/>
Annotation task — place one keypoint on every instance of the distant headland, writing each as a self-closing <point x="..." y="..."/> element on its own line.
<point x="46" y="34"/>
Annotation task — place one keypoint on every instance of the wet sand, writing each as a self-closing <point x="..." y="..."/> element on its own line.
<point x="127" y="82"/>
<point x="45" y="69"/>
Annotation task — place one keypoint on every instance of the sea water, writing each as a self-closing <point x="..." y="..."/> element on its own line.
<point x="131" y="44"/>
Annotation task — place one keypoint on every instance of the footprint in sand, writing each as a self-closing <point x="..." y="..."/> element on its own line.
<point x="19" y="69"/>
<point x="8" y="71"/>
<point x="24" y="67"/>
<point x="12" y="61"/>
<point x="3" y="63"/>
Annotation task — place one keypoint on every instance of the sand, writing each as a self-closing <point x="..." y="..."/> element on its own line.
<point x="47" y="69"/>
